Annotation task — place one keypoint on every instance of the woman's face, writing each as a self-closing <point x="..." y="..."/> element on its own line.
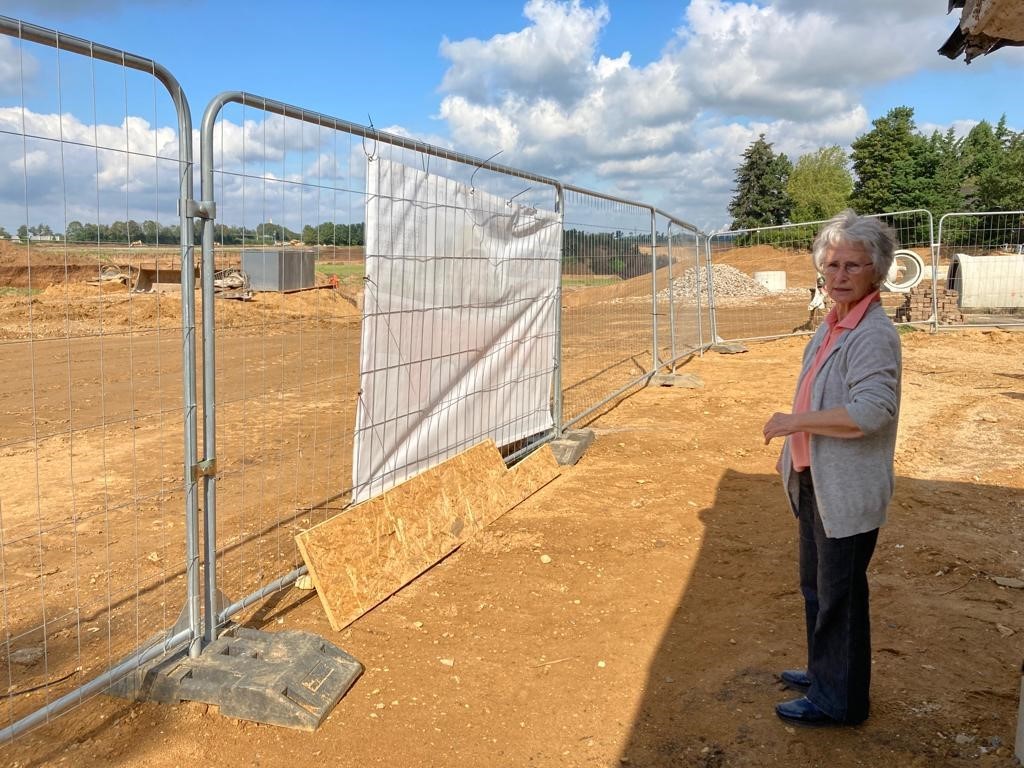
<point x="849" y="273"/>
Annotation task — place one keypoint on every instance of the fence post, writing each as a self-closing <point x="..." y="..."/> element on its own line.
<point x="188" y="367"/>
<point x="671" y="300"/>
<point x="654" y="291"/>
<point x="211" y="605"/>
<point x="556" y="407"/>
<point x="709" y="267"/>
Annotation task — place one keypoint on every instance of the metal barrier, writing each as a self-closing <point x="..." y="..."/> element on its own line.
<point x="762" y="279"/>
<point x="622" y="317"/>
<point x="99" y="548"/>
<point x="682" y="302"/>
<point x="978" y="278"/>
<point x="98" y="517"/>
<point x="109" y="364"/>
<point x="284" y="385"/>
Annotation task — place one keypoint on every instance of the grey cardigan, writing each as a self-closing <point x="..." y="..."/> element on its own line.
<point x="853" y="478"/>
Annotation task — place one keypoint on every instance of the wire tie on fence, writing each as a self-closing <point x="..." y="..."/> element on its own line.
<point x="376" y="140"/>
<point x="517" y="194"/>
<point x="479" y="166"/>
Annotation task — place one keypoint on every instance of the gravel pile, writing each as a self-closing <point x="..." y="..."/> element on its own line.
<point x="729" y="282"/>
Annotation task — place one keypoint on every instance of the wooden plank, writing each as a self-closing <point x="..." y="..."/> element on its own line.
<point x="362" y="556"/>
<point x="529" y="476"/>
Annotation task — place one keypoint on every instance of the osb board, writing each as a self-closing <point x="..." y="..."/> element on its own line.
<point x="360" y="557"/>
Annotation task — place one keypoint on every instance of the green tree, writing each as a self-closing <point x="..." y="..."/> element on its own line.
<point x="328" y="233"/>
<point x="979" y="153"/>
<point x="819" y="185"/>
<point x="1001" y="187"/>
<point x="761" y="199"/>
<point x="75" y="231"/>
<point x="891" y="163"/>
<point x="1003" y="134"/>
<point x="945" y="171"/>
<point x="23" y="232"/>
<point x="150" y="231"/>
<point x="118" y="232"/>
<point x="170" y="234"/>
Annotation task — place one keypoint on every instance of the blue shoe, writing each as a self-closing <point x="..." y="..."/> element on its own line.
<point x="797" y="679"/>
<point x="802" y="711"/>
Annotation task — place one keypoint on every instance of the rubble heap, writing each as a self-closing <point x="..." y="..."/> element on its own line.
<point x="729" y="282"/>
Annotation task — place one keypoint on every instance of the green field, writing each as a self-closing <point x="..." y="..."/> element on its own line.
<point x="588" y="281"/>
<point x="342" y="270"/>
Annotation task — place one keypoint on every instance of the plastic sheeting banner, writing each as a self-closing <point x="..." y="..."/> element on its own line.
<point x="459" y="335"/>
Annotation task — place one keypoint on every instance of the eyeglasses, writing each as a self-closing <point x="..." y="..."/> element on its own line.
<point x="849" y="267"/>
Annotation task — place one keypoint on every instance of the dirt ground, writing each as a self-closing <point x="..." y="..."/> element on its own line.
<point x="652" y="632"/>
<point x="654" y="635"/>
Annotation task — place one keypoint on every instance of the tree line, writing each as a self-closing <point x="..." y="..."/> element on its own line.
<point x="892" y="167"/>
<point x="151" y="232"/>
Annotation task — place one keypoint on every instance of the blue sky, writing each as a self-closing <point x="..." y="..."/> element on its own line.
<point x="649" y="99"/>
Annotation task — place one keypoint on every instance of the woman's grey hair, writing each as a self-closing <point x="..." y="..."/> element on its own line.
<point x="876" y="237"/>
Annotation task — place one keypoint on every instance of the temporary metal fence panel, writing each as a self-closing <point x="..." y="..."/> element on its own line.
<point x="459" y="332"/>
<point x="679" y="301"/>
<point x="979" y="275"/>
<point x="608" y="290"/>
<point x="282" y="404"/>
<point x="763" y="280"/>
<point x="98" y="547"/>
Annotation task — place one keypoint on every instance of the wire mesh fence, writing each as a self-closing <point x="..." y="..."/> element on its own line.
<point x="608" y="286"/>
<point x="362" y="295"/>
<point x="764" y="280"/>
<point x="979" y="270"/>
<point x="94" y="560"/>
<point x="431" y="298"/>
<point x="680" y="305"/>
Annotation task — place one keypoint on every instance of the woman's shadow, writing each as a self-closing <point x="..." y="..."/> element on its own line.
<point x="713" y="683"/>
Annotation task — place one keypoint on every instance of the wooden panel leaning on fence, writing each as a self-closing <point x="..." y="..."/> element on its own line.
<point x="359" y="558"/>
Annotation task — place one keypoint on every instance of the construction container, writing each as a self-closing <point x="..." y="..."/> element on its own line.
<point x="279" y="270"/>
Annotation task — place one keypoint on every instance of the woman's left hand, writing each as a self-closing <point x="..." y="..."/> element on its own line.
<point x="779" y="425"/>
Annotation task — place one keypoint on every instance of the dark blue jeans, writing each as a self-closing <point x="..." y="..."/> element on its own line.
<point x="834" y="583"/>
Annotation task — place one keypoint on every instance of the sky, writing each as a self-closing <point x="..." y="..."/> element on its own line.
<point x="650" y="100"/>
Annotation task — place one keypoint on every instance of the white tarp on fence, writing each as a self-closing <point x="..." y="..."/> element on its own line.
<point x="459" y="323"/>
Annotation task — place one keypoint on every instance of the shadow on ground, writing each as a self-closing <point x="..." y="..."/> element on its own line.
<point x="944" y="682"/>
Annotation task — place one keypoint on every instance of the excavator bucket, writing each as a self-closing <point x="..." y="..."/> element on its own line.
<point x="159" y="280"/>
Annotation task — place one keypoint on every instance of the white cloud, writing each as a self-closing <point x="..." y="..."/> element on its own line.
<point x="550" y="58"/>
<point x="55" y="169"/>
<point x="795" y="70"/>
<point x="17" y="66"/>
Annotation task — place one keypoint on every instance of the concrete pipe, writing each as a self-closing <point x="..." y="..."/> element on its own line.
<point x="906" y="271"/>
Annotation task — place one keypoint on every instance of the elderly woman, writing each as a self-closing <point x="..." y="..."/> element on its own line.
<point x="837" y="467"/>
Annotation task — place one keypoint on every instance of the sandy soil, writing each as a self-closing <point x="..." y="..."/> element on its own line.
<point x="652" y="637"/>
